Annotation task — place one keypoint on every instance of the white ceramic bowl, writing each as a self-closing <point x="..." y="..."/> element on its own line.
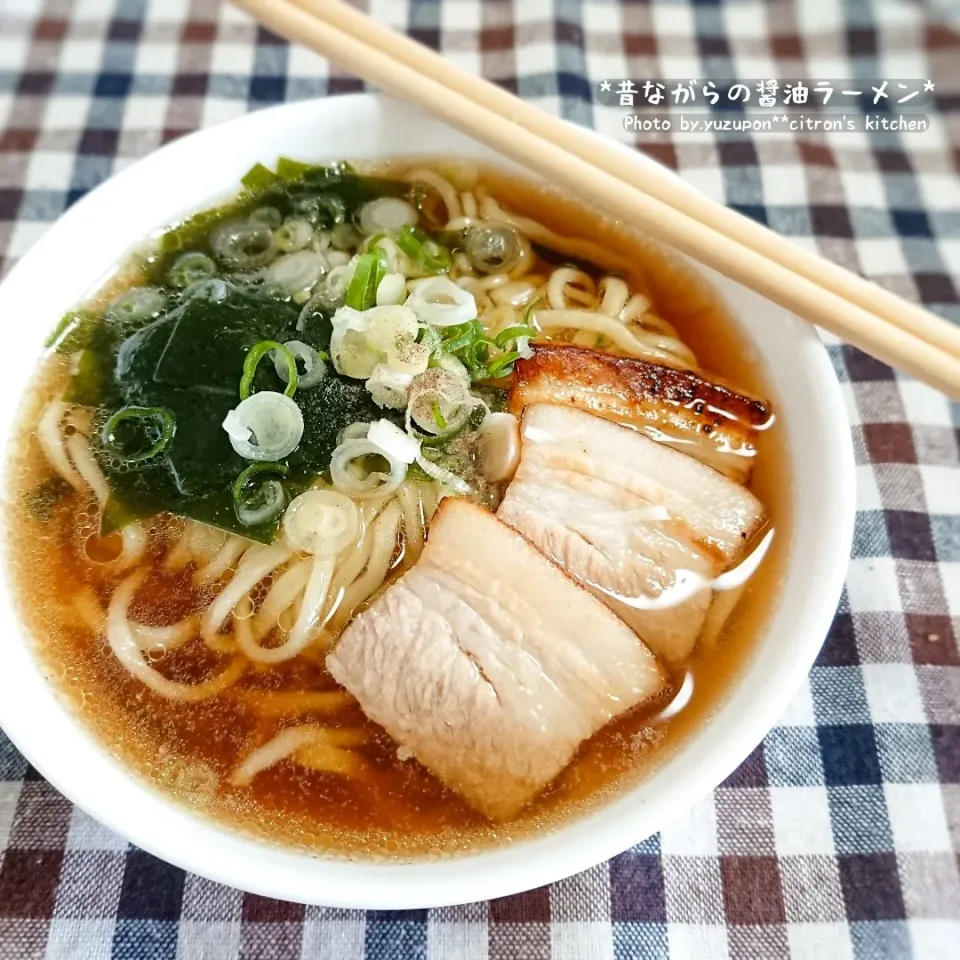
<point x="190" y="173"/>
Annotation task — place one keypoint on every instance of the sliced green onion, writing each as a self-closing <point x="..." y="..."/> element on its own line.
<point x="258" y="177"/>
<point x="295" y="234"/>
<point x="266" y="502"/>
<point x="430" y="256"/>
<point x="452" y="365"/>
<point x="265" y="427"/>
<point x="386" y="213"/>
<point x="138" y="303"/>
<point x="344" y="236"/>
<point x="213" y="289"/>
<point x="511" y="334"/>
<point x="250" y="471"/>
<point x="458" y="336"/>
<point x="438" y="417"/>
<point x="528" y="313"/>
<point x="430" y="337"/>
<point x="243" y="244"/>
<point x="478" y="354"/>
<point x="158" y="420"/>
<point x="462" y="419"/>
<point x="257" y="352"/>
<point x="457" y="344"/>
<point x="475" y="356"/>
<point x="373" y="240"/>
<point x="469" y="343"/>
<point x="313" y="360"/>
<point x="361" y="282"/>
<point x="190" y="267"/>
<point x="498" y="367"/>
<point x="193" y="231"/>
<point x="367" y="274"/>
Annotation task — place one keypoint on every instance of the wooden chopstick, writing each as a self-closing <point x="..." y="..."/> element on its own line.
<point x="901" y="313"/>
<point x="878" y="336"/>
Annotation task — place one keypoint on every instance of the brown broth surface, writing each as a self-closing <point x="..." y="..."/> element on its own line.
<point x="398" y="809"/>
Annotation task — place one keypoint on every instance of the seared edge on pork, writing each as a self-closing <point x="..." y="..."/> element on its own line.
<point x="709" y="420"/>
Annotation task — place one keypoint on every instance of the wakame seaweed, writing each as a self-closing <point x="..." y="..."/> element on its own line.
<point x="287" y="192"/>
<point x="189" y="360"/>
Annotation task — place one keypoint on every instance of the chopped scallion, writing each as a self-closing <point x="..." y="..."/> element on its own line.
<point x="266" y="502"/>
<point x="511" y="334"/>
<point x="157" y="426"/>
<point x="469" y="343"/>
<point x="257" y="352"/>
<point x="367" y="274"/>
<point x="431" y="257"/>
<point x="438" y="417"/>
<point x="503" y="365"/>
<point x="462" y="419"/>
<point x="475" y="356"/>
<point x="528" y="313"/>
<point x="189" y="268"/>
<point x="459" y="336"/>
<point x="431" y="338"/>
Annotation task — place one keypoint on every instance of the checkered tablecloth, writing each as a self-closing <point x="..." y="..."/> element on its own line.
<point x="839" y="836"/>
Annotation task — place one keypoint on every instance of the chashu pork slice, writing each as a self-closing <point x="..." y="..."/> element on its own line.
<point x="709" y="420"/>
<point x="646" y="528"/>
<point x="489" y="663"/>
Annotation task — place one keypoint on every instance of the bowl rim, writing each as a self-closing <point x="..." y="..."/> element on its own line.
<point x="221" y="854"/>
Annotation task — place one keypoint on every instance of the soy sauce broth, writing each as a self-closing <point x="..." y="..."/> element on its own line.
<point x="400" y="809"/>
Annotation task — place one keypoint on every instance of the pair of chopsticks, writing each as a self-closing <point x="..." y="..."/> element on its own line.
<point x="865" y="315"/>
